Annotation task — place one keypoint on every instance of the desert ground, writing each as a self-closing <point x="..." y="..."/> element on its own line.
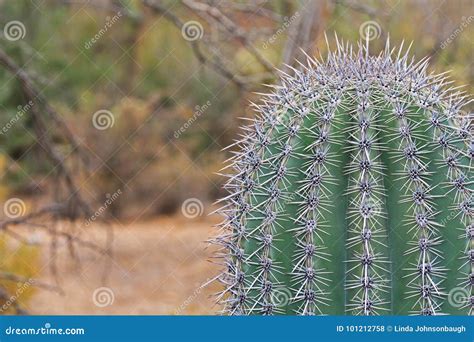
<point x="157" y="268"/>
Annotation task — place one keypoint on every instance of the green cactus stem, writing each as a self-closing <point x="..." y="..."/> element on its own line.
<point x="350" y="193"/>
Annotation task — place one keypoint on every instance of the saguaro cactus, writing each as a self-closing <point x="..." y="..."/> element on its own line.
<point x="351" y="193"/>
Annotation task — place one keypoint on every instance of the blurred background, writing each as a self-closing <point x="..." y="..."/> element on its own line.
<point x="113" y="119"/>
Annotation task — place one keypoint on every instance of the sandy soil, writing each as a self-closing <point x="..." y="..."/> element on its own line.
<point x="157" y="268"/>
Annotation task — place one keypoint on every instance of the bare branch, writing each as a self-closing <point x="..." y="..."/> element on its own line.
<point x="220" y="68"/>
<point x="357" y="6"/>
<point x="105" y="6"/>
<point x="52" y="210"/>
<point x="254" y="8"/>
<point x="232" y="28"/>
<point x="35" y="96"/>
<point x="33" y="282"/>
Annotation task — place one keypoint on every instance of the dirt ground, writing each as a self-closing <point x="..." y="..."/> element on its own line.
<point x="157" y="268"/>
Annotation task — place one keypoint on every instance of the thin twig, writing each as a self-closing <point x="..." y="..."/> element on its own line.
<point x="220" y="68"/>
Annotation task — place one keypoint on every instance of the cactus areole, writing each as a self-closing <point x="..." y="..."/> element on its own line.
<point x="350" y="193"/>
